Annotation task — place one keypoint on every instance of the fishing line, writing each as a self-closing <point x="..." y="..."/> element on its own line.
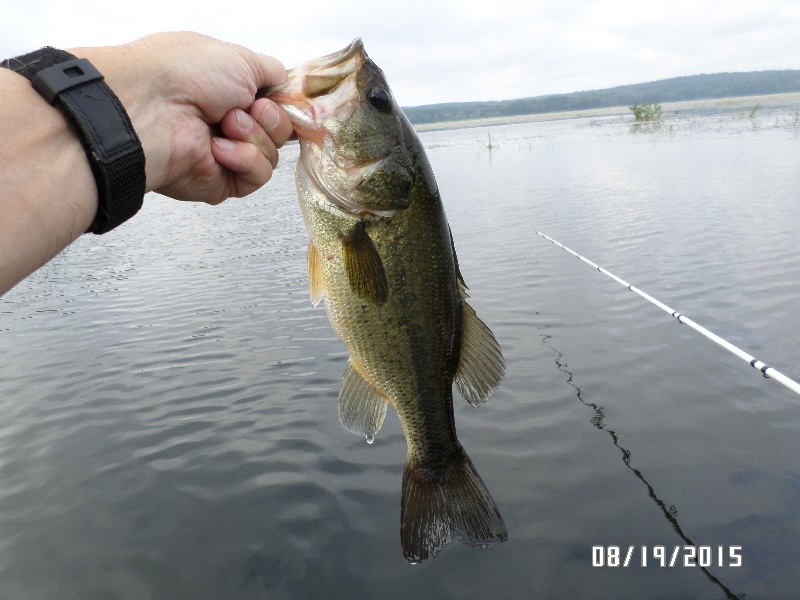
<point x="766" y="370"/>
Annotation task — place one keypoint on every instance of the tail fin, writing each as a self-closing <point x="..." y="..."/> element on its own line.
<point x="437" y="507"/>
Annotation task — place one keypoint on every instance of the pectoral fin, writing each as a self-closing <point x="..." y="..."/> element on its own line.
<point x="316" y="285"/>
<point x="361" y="408"/>
<point x="364" y="267"/>
<point x="480" y="366"/>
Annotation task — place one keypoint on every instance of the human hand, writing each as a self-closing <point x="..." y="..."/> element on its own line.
<point x="191" y="99"/>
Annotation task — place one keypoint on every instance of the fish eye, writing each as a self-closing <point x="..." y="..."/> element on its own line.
<point x="379" y="98"/>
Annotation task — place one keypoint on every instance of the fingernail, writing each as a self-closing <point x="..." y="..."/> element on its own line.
<point x="269" y="117"/>
<point x="224" y="144"/>
<point x="243" y="120"/>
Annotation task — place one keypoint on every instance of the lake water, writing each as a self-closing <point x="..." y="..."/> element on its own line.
<point x="169" y="394"/>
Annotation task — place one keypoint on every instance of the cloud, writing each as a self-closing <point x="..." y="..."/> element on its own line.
<point x="441" y="51"/>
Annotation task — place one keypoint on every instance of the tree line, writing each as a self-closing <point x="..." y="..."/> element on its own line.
<point x="676" y="89"/>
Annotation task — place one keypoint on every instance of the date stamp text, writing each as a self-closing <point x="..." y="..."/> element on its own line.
<point x="667" y="556"/>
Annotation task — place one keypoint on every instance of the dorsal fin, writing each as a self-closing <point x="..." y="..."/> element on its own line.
<point x="480" y="366"/>
<point x="361" y="408"/>
<point x="364" y="267"/>
<point x="315" y="283"/>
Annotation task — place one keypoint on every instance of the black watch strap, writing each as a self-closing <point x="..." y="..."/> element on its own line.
<point x="100" y="122"/>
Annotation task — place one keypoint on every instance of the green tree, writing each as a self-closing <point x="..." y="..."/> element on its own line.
<point x="646" y="112"/>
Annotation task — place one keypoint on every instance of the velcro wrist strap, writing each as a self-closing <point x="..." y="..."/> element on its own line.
<point x="52" y="81"/>
<point x="96" y="116"/>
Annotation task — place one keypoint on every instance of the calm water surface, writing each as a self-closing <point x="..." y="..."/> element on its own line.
<point x="168" y="393"/>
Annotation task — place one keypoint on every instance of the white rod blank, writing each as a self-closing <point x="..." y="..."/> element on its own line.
<point x="767" y="371"/>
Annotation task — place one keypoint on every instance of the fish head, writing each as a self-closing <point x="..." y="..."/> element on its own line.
<point x="354" y="139"/>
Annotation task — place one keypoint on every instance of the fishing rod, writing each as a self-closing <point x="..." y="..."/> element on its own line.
<point x="766" y="370"/>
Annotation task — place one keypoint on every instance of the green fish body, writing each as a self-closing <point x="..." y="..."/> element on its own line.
<point x="381" y="255"/>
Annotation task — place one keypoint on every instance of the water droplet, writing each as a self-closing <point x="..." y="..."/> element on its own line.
<point x="370" y="439"/>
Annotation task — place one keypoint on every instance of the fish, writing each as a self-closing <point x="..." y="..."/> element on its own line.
<point x="381" y="255"/>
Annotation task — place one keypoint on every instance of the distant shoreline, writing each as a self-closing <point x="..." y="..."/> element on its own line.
<point x="725" y="104"/>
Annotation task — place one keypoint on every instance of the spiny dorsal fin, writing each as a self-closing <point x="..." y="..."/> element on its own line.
<point x="480" y="365"/>
<point x="315" y="282"/>
<point x="364" y="267"/>
<point x="361" y="408"/>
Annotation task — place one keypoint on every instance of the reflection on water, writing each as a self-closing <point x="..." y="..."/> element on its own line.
<point x="671" y="512"/>
<point x="169" y="394"/>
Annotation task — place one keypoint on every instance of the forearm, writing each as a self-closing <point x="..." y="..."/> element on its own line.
<point x="191" y="101"/>
<point x="49" y="196"/>
<point x="49" y="192"/>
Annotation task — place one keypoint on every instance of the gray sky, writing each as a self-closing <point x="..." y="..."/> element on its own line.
<point x="441" y="51"/>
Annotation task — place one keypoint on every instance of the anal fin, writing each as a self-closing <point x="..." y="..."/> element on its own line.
<point x="364" y="268"/>
<point x="361" y="408"/>
<point x="481" y="366"/>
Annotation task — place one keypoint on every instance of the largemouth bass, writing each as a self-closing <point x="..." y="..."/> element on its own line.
<point x="381" y="254"/>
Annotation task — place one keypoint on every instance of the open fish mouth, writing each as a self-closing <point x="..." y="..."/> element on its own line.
<point x="314" y="78"/>
<point x="335" y="59"/>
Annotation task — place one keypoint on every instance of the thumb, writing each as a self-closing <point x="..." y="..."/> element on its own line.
<point x="267" y="70"/>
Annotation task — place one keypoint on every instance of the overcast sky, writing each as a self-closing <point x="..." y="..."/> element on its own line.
<point x="441" y="51"/>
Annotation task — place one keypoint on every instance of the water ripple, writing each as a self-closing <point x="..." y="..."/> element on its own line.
<point x="170" y="395"/>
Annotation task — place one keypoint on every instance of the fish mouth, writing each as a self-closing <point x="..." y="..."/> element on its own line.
<point x="334" y="59"/>
<point x="330" y="61"/>
<point x="314" y="78"/>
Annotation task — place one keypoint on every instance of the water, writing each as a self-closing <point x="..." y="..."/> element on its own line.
<point x="169" y="394"/>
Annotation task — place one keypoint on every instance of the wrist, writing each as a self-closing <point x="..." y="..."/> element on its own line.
<point x="99" y="121"/>
<point x="37" y="132"/>
<point x="39" y="215"/>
